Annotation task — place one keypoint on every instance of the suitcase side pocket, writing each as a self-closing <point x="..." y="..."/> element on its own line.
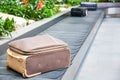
<point x="16" y="62"/>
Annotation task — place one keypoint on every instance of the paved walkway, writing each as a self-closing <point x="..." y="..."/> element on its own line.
<point x="103" y="59"/>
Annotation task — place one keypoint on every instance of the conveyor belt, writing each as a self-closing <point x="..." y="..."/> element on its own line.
<point x="72" y="30"/>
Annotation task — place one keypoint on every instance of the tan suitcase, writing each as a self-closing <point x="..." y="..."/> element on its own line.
<point x="32" y="60"/>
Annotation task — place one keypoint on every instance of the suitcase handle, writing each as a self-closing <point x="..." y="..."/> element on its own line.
<point x="16" y="56"/>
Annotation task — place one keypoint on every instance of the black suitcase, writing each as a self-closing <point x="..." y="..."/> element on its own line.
<point x="89" y="5"/>
<point x="79" y="11"/>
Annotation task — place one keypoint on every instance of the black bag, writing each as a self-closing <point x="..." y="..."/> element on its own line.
<point x="89" y="5"/>
<point x="79" y="11"/>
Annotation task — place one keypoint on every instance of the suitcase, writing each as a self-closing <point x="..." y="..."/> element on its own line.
<point x="89" y="5"/>
<point x="79" y="11"/>
<point x="31" y="58"/>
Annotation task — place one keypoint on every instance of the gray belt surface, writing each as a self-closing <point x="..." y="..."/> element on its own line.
<point x="72" y="30"/>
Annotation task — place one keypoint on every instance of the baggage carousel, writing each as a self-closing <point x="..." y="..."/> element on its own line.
<point x="77" y="32"/>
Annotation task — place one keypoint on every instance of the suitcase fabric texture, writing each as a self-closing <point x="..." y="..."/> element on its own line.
<point x="79" y="11"/>
<point x="35" y="55"/>
<point x="89" y="5"/>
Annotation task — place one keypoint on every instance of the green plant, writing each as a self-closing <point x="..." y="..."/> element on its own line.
<point x="73" y="2"/>
<point x="9" y="24"/>
<point x="94" y="0"/>
<point x="29" y="11"/>
<point x="6" y="26"/>
<point x="49" y="9"/>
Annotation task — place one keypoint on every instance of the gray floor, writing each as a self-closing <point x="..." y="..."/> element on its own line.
<point x="103" y="59"/>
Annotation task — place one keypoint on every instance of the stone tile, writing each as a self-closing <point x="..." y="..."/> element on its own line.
<point x="103" y="59"/>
